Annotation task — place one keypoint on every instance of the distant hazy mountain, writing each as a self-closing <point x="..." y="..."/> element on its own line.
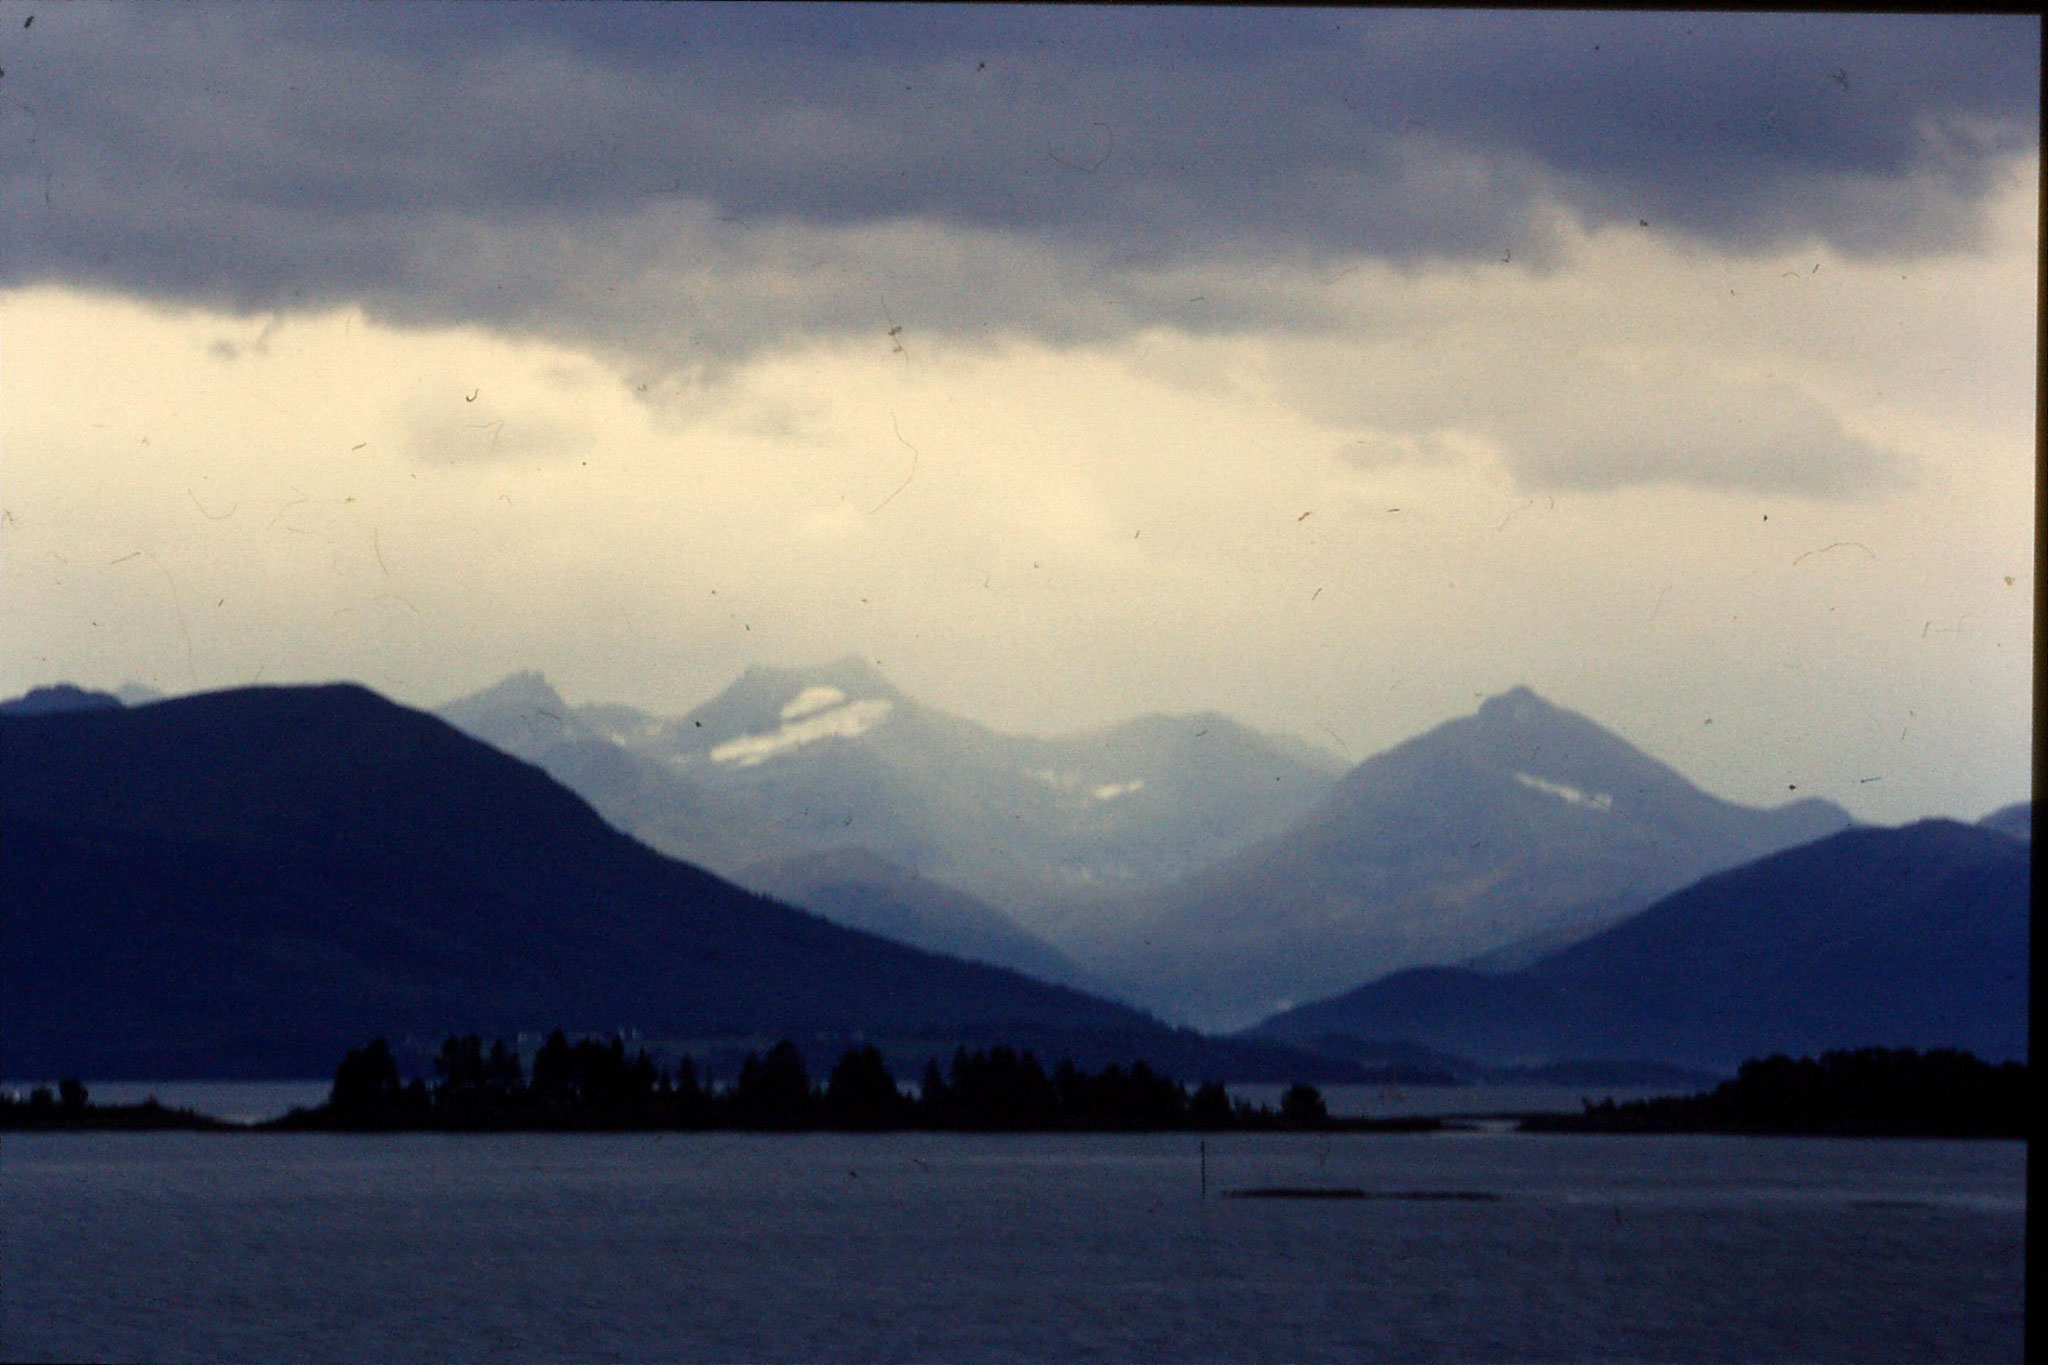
<point x="38" y="701"/>
<point x="1508" y="833"/>
<point x="2016" y="820"/>
<point x="725" y="831"/>
<point x="861" y="890"/>
<point x="71" y="697"/>
<point x="1912" y="937"/>
<point x="248" y="882"/>
<point x="648" y="799"/>
<point x="836" y="756"/>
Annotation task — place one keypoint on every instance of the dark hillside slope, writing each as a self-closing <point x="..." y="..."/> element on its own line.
<point x="41" y="701"/>
<point x="249" y="882"/>
<point x="856" y="888"/>
<point x="1912" y="937"/>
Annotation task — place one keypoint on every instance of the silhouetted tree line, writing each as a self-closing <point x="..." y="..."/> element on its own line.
<point x="1868" y="1092"/>
<point x="68" y="1099"/>
<point x="592" y="1084"/>
<point x="69" y="1107"/>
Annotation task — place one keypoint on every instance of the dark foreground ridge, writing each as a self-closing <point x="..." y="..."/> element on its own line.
<point x="594" y="1086"/>
<point x="1869" y="1092"/>
<point x="313" y="866"/>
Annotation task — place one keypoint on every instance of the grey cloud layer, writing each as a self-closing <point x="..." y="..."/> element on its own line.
<point x="682" y="185"/>
<point x="177" y="145"/>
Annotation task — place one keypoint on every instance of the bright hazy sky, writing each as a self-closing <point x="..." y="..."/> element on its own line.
<point x="1330" y="369"/>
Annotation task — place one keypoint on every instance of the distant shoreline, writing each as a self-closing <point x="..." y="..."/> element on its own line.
<point x="152" y="1118"/>
<point x="590" y="1087"/>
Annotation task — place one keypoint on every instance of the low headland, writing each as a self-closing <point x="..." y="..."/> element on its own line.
<point x="69" y="1107"/>
<point x="1867" y="1092"/>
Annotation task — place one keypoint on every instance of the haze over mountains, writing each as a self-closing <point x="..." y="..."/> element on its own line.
<point x="854" y="887"/>
<point x="837" y="755"/>
<point x="1500" y="836"/>
<point x="786" y="766"/>
<point x="1184" y="863"/>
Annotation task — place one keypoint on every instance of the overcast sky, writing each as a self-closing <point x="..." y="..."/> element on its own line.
<point x="1332" y="369"/>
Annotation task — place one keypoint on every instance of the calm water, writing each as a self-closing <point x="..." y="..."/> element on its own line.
<point x="1401" y="1101"/>
<point x="928" y="1247"/>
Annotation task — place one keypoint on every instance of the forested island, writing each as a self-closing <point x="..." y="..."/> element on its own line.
<point x="589" y="1085"/>
<point x="1867" y="1092"/>
<point x="593" y="1085"/>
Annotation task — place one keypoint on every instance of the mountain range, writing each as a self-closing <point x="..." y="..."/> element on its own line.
<point x="249" y="882"/>
<point x="829" y="787"/>
<point x="181" y="876"/>
<point x="838" y="756"/>
<point x="1909" y="937"/>
<point x="1192" y="866"/>
<point x="1493" y="838"/>
<point x="653" y="798"/>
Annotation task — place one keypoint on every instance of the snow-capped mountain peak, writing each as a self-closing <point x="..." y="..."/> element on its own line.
<point x="849" y="721"/>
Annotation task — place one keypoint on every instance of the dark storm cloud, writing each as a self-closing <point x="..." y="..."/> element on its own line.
<point x="694" y="181"/>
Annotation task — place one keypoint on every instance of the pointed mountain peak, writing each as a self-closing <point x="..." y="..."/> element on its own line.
<point x="1516" y="705"/>
<point x="854" y="672"/>
<point x="846" y="678"/>
<point x="1536" y="745"/>
<point x="1556" y="752"/>
<point x="769" y="711"/>
<point x="521" y="714"/>
<point x="528" y="690"/>
<point x="1519" y="720"/>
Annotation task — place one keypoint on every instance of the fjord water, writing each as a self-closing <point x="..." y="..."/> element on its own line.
<point x="228" y="1247"/>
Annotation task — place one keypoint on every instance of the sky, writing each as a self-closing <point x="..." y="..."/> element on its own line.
<point x="1332" y="369"/>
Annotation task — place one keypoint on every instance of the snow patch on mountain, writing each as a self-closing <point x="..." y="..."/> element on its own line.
<point x="812" y="699"/>
<point x="1081" y="782"/>
<point x="841" y="722"/>
<point x="1564" y="791"/>
<point x="631" y="734"/>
